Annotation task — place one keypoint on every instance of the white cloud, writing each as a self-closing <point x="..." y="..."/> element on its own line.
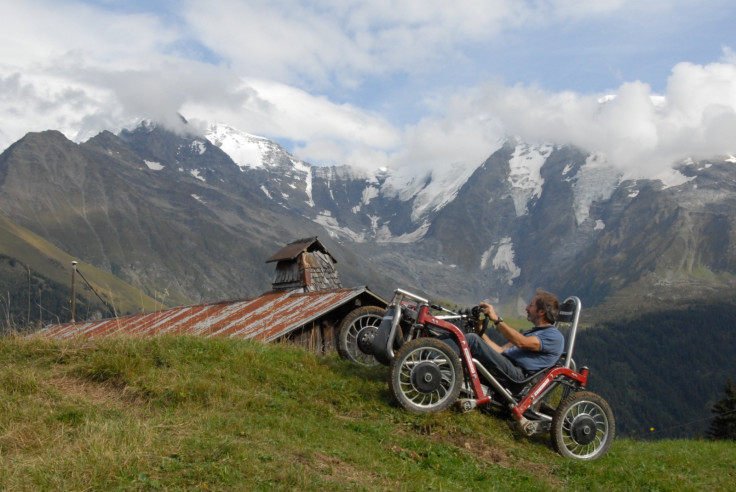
<point x="641" y="133"/>
<point x="460" y="135"/>
<point x="729" y="55"/>
<point x="314" y="74"/>
<point x="342" y="40"/>
<point x="323" y="130"/>
<point x="45" y="33"/>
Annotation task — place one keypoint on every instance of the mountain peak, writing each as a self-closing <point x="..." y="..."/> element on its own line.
<point x="245" y="149"/>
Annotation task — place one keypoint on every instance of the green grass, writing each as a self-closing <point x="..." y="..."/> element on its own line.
<point x="185" y="413"/>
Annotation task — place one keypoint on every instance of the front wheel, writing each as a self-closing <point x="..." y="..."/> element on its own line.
<point x="425" y="375"/>
<point x="583" y="426"/>
<point x="356" y="332"/>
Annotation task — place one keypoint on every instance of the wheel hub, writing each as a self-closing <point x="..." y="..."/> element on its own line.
<point x="426" y="377"/>
<point x="583" y="429"/>
<point x="365" y="339"/>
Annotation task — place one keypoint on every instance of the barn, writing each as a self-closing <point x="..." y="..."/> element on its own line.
<point x="305" y="305"/>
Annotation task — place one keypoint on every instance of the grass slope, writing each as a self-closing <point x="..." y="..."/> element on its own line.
<point x="185" y="413"/>
<point x="43" y="257"/>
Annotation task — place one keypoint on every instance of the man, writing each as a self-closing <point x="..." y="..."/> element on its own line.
<point x="526" y="352"/>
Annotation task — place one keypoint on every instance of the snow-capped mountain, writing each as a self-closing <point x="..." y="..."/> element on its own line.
<point x="427" y="193"/>
<point x="198" y="216"/>
<point x="527" y="216"/>
<point x="246" y="150"/>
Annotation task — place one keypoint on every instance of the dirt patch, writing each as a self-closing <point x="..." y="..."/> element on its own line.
<point x="493" y="452"/>
<point x="100" y="395"/>
<point x="336" y="470"/>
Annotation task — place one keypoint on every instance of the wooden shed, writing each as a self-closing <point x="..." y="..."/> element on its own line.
<point x="306" y="306"/>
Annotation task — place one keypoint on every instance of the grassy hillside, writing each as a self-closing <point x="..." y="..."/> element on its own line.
<point x="31" y="265"/>
<point x="191" y="413"/>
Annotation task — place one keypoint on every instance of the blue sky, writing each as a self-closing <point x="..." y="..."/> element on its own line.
<point x="375" y="83"/>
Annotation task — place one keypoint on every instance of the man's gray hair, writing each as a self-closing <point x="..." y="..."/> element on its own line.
<point x="549" y="303"/>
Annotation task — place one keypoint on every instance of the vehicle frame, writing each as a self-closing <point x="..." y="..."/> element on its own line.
<point x="423" y="377"/>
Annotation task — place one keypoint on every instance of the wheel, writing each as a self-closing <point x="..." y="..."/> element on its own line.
<point x="356" y="334"/>
<point x="426" y="375"/>
<point x="583" y="426"/>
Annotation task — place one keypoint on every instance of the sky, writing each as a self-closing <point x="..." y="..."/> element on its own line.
<point x="383" y="83"/>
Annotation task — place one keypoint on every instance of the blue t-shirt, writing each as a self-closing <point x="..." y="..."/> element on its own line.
<point x="552" y="345"/>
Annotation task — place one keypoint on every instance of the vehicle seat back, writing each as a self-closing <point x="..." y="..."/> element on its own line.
<point x="567" y="324"/>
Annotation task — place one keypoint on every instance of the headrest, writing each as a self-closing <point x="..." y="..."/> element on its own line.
<point x="567" y="312"/>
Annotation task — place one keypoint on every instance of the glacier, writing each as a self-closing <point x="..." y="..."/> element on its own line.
<point x="525" y="176"/>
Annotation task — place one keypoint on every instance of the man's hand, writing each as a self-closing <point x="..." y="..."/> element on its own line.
<point x="489" y="311"/>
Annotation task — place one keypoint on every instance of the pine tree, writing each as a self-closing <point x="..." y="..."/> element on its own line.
<point x="723" y="425"/>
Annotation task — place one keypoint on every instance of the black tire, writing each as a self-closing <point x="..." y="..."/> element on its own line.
<point x="426" y="375"/>
<point x="583" y="426"/>
<point x="359" y="324"/>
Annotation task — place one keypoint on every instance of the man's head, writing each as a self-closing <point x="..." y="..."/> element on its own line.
<point x="544" y="308"/>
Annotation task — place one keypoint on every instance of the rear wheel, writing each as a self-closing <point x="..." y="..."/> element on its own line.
<point x="583" y="426"/>
<point x="425" y="375"/>
<point x="356" y="332"/>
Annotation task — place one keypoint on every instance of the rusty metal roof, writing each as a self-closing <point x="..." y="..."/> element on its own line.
<point x="267" y="317"/>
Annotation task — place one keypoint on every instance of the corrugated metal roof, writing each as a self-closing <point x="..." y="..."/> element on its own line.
<point x="267" y="317"/>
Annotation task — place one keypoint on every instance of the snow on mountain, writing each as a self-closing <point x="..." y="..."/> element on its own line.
<point x="671" y="178"/>
<point x="501" y="257"/>
<point x="595" y="181"/>
<point x="153" y="165"/>
<point x="254" y="152"/>
<point x="442" y="187"/>
<point x="430" y="191"/>
<point x="335" y="230"/>
<point x="427" y="191"/>
<point x="244" y="149"/>
<point x="525" y="176"/>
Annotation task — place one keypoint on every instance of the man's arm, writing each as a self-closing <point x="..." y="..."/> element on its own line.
<point x="519" y="340"/>
<point x="498" y="348"/>
<point x="513" y="336"/>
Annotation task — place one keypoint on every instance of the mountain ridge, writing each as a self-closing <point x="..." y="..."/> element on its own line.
<point x="176" y="212"/>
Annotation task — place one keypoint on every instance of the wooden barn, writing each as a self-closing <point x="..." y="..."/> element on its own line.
<point x="306" y="305"/>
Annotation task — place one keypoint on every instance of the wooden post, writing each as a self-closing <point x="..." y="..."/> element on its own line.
<point x="74" y="293"/>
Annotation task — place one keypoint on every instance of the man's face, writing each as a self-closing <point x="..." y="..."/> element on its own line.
<point x="532" y="312"/>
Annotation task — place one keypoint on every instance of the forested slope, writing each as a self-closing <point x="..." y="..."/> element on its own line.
<point x="663" y="371"/>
